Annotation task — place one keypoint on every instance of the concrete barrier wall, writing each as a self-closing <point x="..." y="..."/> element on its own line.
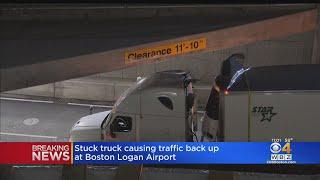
<point x="46" y="90"/>
<point x="82" y="89"/>
<point x="89" y="89"/>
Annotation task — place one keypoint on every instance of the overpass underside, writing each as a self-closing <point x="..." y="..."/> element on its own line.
<point x="41" y="45"/>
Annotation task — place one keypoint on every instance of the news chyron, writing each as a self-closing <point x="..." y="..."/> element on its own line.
<point x="281" y="151"/>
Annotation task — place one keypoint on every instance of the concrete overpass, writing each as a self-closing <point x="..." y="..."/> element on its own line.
<point x="42" y="44"/>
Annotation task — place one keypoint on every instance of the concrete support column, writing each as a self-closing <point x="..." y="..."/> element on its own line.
<point x="316" y="42"/>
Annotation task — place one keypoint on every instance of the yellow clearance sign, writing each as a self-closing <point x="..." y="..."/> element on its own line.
<point x="165" y="50"/>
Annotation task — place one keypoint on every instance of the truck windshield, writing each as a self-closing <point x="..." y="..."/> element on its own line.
<point x="128" y="92"/>
<point x="106" y="121"/>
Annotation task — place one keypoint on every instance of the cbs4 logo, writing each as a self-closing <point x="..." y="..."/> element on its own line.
<point x="277" y="148"/>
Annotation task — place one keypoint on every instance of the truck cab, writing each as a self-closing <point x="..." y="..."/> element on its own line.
<point x="157" y="108"/>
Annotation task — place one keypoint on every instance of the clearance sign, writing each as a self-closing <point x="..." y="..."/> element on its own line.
<point x="173" y="49"/>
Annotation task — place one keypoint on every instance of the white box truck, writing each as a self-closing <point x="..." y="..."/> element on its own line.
<point x="157" y="108"/>
<point x="263" y="103"/>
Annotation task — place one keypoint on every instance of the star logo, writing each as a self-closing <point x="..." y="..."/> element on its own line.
<point x="267" y="116"/>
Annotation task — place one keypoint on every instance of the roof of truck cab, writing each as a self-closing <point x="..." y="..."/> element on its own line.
<point x="283" y="77"/>
<point x="165" y="79"/>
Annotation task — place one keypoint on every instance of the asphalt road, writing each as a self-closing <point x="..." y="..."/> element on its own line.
<point x="39" y="121"/>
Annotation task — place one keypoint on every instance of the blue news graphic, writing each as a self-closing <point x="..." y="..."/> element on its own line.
<point x="196" y="153"/>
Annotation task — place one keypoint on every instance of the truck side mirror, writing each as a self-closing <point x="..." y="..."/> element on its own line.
<point x="120" y="124"/>
<point x="190" y="100"/>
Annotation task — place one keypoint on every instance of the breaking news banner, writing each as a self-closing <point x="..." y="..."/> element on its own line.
<point x="35" y="153"/>
<point x="160" y="153"/>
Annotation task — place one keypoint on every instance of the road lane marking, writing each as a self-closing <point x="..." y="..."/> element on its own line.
<point x="25" y="100"/>
<point x="79" y="104"/>
<point x="31" y="121"/>
<point x="28" y="135"/>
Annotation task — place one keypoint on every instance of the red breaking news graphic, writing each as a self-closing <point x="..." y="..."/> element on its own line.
<point x="35" y="153"/>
